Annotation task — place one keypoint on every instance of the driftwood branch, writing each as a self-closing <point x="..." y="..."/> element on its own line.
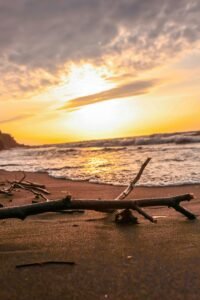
<point x="21" y="212"/>
<point x="119" y="215"/>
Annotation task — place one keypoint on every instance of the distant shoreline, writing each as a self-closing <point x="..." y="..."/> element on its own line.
<point x="182" y="137"/>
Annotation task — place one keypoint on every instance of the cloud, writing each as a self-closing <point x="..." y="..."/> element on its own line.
<point x="124" y="91"/>
<point x="16" y="118"/>
<point x="47" y="34"/>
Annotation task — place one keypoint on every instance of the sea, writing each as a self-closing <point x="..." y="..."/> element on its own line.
<point x="175" y="159"/>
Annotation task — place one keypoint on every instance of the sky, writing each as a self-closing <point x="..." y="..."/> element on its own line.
<point x="75" y="70"/>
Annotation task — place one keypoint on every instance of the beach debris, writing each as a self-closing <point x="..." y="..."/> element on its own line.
<point x="21" y="212"/>
<point x="39" y="185"/>
<point x="45" y="263"/>
<point x="38" y="190"/>
<point x="129" y="257"/>
<point x="125" y="216"/>
<point x="5" y="192"/>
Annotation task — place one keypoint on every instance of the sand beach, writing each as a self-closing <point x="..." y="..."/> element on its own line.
<point x="105" y="260"/>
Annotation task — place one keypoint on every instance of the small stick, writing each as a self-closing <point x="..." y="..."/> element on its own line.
<point x="73" y="211"/>
<point x="23" y="177"/>
<point x="32" y="191"/>
<point x="119" y="213"/>
<point x="144" y="214"/>
<point x="5" y="192"/>
<point x="132" y="184"/>
<point x="16" y="184"/>
<point x="35" y="184"/>
<point x="44" y="191"/>
<point x="184" y="211"/>
<point x="44" y="263"/>
<point x="36" y="189"/>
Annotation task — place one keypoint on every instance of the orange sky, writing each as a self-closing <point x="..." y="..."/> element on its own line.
<point x="123" y="74"/>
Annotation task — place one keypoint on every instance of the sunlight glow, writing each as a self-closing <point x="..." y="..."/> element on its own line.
<point x="102" y="119"/>
<point x="86" y="80"/>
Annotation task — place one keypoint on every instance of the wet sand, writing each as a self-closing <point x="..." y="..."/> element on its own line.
<point x="146" y="261"/>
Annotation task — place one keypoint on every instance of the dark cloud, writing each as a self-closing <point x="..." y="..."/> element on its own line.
<point x="46" y="34"/>
<point x="124" y="91"/>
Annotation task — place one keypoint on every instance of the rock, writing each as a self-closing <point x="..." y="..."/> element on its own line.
<point x="7" y="141"/>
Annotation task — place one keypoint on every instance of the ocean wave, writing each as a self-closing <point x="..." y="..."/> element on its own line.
<point x="108" y="149"/>
<point x="8" y="165"/>
<point x="67" y="150"/>
<point x="154" y="139"/>
<point x="187" y="140"/>
<point x="97" y="180"/>
<point x="62" y="168"/>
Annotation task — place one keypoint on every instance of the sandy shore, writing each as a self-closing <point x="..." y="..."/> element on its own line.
<point x="147" y="261"/>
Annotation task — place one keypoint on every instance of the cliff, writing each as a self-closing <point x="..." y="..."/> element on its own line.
<point x="7" y="141"/>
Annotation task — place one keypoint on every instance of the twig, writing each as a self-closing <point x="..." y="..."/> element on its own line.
<point x="119" y="215"/>
<point x="37" y="189"/>
<point x="73" y="211"/>
<point x="35" y="184"/>
<point x="184" y="211"/>
<point x="144" y="214"/>
<point x="132" y="184"/>
<point x="23" y="177"/>
<point x="13" y="183"/>
<point x="22" y="185"/>
<point x="45" y="263"/>
<point x="32" y="191"/>
<point x="5" y="192"/>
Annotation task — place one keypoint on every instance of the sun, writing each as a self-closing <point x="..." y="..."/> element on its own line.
<point x="86" y="80"/>
<point x="82" y="80"/>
